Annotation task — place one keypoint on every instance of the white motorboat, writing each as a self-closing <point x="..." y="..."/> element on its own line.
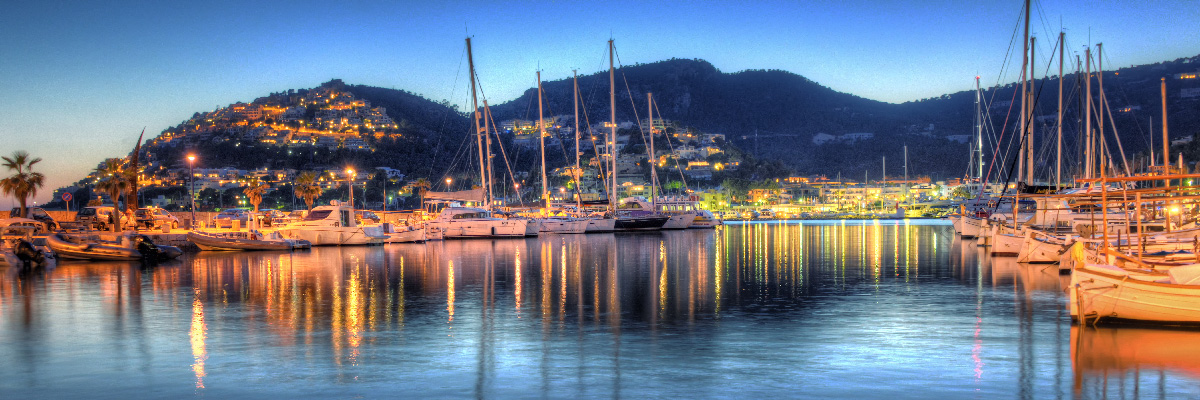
<point x="470" y="222"/>
<point x="333" y="225"/>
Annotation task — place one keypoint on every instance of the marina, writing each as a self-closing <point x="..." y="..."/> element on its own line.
<point x="867" y="309"/>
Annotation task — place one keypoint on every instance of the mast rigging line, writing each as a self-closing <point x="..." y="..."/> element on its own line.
<point x="672" y="147"/>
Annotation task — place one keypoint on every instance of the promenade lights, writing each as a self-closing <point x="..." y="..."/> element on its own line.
<point x="350" y="174"/>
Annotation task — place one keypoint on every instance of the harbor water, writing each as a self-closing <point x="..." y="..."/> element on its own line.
<point x="893" y="309"/>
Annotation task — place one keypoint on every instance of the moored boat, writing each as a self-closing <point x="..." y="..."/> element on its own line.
<point x="130" y="246"/>
<point x="252" y="240"/>
<point x="333" y="225"/>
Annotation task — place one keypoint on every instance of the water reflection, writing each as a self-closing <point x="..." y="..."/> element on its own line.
<point x="825" y="307"/>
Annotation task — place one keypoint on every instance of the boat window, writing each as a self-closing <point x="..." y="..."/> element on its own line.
<point x="468" y="216"/>
<point x="346" y="218"/>
<point x="317" y="215"/>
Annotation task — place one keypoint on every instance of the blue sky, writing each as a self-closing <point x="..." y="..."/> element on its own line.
<point x="79" y="80"/>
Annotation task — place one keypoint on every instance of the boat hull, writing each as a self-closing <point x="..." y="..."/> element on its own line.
<point x="210" y="242"/>
<point x="1108" y="294"/>
<point x="564" y="226"/>
<point x="601" y="225"/>
<point x="465" y="229"/>
<point x="652" y="223"/>
<point x="334" y="235"/>
<point x="679" y="221"/>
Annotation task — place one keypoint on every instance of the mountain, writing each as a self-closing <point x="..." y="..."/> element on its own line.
<point x="765" y="114"/>
<point x="780" y="115"/>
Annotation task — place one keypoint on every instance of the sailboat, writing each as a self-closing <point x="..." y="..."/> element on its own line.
<point x="455" y="221"/>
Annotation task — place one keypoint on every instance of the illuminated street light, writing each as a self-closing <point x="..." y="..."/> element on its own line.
<point x="192" y="186"/>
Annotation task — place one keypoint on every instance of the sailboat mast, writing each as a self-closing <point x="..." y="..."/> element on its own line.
<point x="475" y="109"/>
<point x="542" y="144"/>
<point x="978" y="134"/>
<point x="1029" y="119"/>
<point x="653" y="169"/>
<point x="578" y="173"/>
<point x="612" y="139"/>
<point x="1166" y="144"/>
<point x="1087" y="109"/>
<point x="488" y="191"/>
<point x="1022" y="139"/>
<point x="1058" y="157"/>
<point x="1100" y="104"/>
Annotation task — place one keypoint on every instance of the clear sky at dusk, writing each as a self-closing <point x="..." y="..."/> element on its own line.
<point x="80" y="79"/>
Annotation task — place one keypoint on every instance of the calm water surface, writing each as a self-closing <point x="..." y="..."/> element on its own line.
<point x="889" y="309"/>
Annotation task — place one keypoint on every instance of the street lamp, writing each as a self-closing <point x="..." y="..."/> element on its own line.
<point x="448" y="181"/>
<point x="350" y="174"/>
<point x="192" y="186"/>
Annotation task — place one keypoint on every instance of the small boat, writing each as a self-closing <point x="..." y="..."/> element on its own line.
<point x="1133" y="291"/>
<point x="17" y="248"/>
<point x="128" y="246"/>
<point x="562" y="225"/>
<point x="252" y="240"/>
<point x="410" y="233"/>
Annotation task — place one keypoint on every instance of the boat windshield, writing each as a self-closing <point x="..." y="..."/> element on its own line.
<point x="472" y="215"/>
<point x="317" y="215"/>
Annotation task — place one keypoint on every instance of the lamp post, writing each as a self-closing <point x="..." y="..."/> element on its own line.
<point x="448" y="181"/>
<point x="192" y="186"/>
<point x="350" y="184"/>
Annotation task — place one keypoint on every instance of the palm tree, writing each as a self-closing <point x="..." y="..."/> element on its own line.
<point x="306" y="188"/>
<point x="24" y="183"/>
<point x="422" y="186"/>
<point x="114" y="179"/>
<point x="254" y="191"/>
<point x="131" y="181"/>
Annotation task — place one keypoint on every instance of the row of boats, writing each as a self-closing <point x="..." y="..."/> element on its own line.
<point x="336" y="224"/>
<point x="1132" y="248"/>
<point x="27" y="243"/>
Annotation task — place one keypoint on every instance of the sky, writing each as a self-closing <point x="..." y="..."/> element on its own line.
<point x="80" y="80"/>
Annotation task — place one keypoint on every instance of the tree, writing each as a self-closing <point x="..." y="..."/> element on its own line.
<point x="114" y="180"/>
<point x="422" y="186"/>
<point x="306" y="188"/>
<point x="24" y="183"/>
<point x="254" y="191"/>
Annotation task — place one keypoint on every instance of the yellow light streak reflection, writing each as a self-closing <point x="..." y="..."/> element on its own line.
<point x="198" y="334"/>
<point x="450" y="291"/>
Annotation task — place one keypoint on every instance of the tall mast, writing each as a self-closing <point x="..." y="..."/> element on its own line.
<point x="1058" y="158"/>
<point x="1087" y="109"/>
<point x="542" y="144"/>
<point x="1023" y="139"/>
<point x="1029" y="154"/>
<point x="653" y="169"/>
<point x="612" y="139"/>
<point x="578" y="173"/>
<point x="488" y="190"/>
<point x="475" y="109"/>
<point x="906" y="173"/>
<point x="1166" y="144"/>
<point x="1100" y="106"/>
<point x="978" y="135"/>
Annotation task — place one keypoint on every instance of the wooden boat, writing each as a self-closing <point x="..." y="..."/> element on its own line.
<point x="129" y="246"/>
<point x="1137" y="292"/>
<point x="253" y="240"/>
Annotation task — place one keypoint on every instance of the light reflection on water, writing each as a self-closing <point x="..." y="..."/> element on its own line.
<point x="896" y="309"/>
